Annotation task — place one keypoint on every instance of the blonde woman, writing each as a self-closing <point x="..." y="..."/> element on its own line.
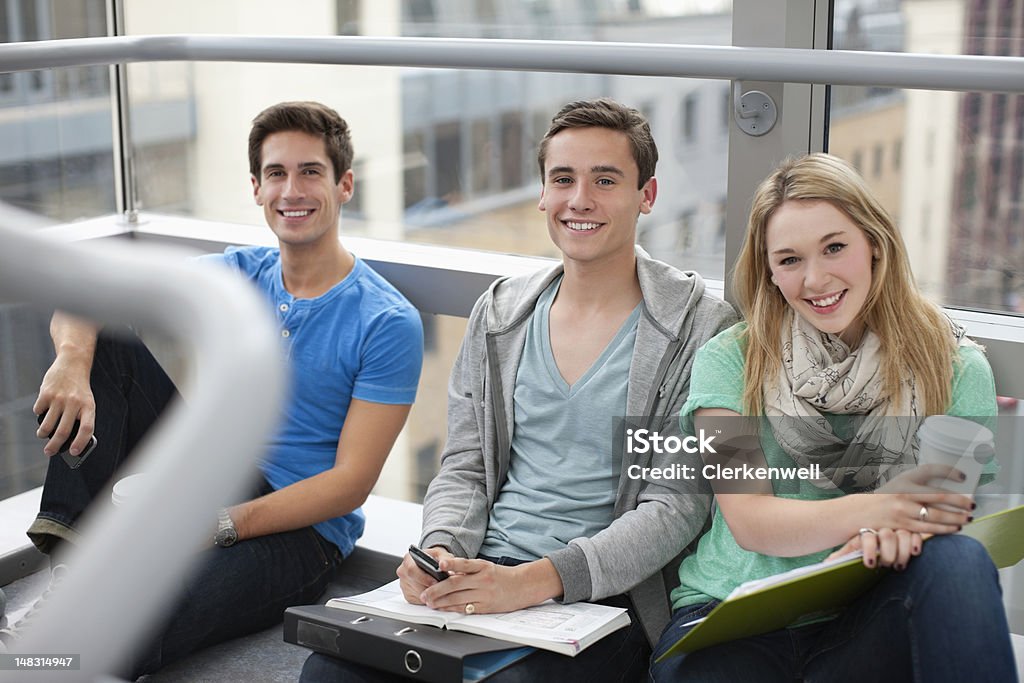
<point x="839" y="357"/>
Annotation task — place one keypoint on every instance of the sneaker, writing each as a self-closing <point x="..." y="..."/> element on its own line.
<point x="12" y="633"/>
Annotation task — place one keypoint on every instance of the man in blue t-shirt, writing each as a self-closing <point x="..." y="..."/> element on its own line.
<point x="354" y="346"/>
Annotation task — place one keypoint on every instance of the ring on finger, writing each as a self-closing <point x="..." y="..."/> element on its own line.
<point x="470" y="608"/>
<point x="923" y="514"/>
<point x="867" y="530"/>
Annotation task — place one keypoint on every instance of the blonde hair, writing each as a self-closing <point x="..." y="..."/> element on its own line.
<point x="913" y="332"/>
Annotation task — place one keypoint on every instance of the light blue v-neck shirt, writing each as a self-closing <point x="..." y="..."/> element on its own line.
<point x="564" y="469"/>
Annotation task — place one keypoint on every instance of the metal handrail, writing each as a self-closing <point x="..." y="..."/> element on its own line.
<point x="198" y="457"/>
<point x="784" y="65"/>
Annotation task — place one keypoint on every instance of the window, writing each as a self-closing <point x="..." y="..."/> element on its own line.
<point x="418" y="17"/>
<point x="354" y="207"/>
<point x="688" y="115"/>
<point x="858" y="160"/>
<point x="954" y="155"/>
<point x="511" y="150"/>
<point x="482" y="150"/>
<point x="414" y="169"/>
<point x="348" y="17"/>
<point x="55" y="159"/>
<point x="448" y="155"/>
<point x="687" y="226"/>
<point x="448" y="160"/>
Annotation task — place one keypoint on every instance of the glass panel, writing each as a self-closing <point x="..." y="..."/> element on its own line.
<point x="56" y="164"/>
<point x="948" y="166"/>
<point x="422" y="440"/>
<point x="55" y="126"/>
<point x="25" y="354"/>
<point x="445" y="156"/>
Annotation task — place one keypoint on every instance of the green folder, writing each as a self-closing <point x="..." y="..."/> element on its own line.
<point x="826" y="590"/>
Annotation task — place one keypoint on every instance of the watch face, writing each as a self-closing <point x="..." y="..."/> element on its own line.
<point x="226" y="537"/>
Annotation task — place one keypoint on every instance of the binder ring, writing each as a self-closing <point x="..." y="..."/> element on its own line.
<point x="413" y="661"/>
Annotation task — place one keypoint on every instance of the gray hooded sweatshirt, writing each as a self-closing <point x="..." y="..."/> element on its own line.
<point x="655" y="520"/>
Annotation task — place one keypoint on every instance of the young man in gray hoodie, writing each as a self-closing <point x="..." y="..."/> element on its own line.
<point x="534" y="499"/>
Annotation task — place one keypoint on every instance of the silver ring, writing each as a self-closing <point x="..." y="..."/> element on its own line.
<point x="470" y="608"/>
<point x="867" y="530"/>
<point x="923" y="514"/>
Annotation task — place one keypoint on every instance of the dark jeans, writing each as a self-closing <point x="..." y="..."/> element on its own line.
<point x="620" y="656"/>
<point x="941" y="619"/>
<point x="232" y="591"/>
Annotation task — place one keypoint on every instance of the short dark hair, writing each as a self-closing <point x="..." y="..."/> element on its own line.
<point x="607" y="113"/>
<point x="307" y="117"/>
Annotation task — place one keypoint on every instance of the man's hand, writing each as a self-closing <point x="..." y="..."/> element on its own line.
<point x="413" y="579"/>
<point x="65" y="396"/>
<point x="492" y="588"/>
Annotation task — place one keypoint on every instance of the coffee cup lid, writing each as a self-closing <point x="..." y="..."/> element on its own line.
<point x="955" y="434"/>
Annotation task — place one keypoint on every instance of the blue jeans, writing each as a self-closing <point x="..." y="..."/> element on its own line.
<point x="941" y="619"/>
<point x="620" y="656"/>
<point x="131" y="390"/>
<point x="232" y="591"/>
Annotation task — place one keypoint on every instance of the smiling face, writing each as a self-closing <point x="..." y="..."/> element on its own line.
<point x="296" y="188"/>
<point x="821" y="262"/>
<point x="590" y="195"/>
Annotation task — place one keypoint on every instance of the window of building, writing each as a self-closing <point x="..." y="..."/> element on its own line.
<point x="348" y="17"/>
<point x="688" y="115"/>
<point x="447" y="161"/>
<point x="511" y="150"/>
<point x="482" y="151"/>
<point x="357" y="205"/>
<point x="414" y="168"/>
<point x="685" y="232"/>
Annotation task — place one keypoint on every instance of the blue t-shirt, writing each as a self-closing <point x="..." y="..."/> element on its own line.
<point x="360" y="339"/>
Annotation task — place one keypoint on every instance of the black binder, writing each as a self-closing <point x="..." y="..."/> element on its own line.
<point x="418" y="652"/>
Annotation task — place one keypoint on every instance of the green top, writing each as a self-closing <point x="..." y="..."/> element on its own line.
<point x="719" y="564"/>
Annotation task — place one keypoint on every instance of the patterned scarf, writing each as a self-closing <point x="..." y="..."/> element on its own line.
<point x="821" y="374"/>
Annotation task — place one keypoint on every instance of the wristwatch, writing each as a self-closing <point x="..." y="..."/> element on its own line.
<point x="227" y="534"/>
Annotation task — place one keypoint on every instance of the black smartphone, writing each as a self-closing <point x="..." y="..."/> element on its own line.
<point x="427" y="563"/>
<point x="73" y="461"/>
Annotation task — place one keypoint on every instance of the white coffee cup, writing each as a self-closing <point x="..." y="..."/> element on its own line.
<point x="959" y="443"/>
<point x="127" y="488"/>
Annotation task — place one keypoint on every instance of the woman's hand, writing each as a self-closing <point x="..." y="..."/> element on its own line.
<point x="884" y="547"/>
<point x="908" y="502"/>
<point x="901" y="514"/>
